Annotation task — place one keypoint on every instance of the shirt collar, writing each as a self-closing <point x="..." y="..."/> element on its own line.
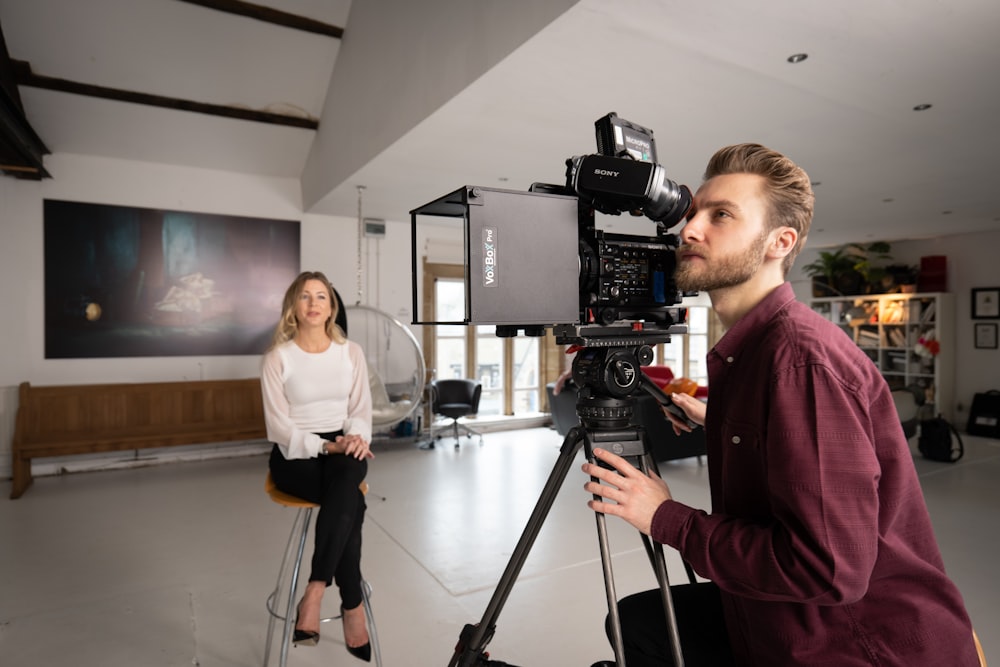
<point x="752" y="326"/>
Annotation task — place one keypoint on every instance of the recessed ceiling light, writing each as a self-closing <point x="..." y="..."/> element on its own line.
<point x="795" y="59"/>
<point x="922" y="107"/>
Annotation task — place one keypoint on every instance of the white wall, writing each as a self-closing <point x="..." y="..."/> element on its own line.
<point x="972" y="262"/>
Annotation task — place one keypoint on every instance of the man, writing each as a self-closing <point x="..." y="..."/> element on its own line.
<point x="819" y="548"/>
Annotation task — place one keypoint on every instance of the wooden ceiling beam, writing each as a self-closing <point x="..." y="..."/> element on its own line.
<point x="25" y="77"/>
<point x="269" y="15"/>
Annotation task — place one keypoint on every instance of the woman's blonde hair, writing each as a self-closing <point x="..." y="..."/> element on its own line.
<point x="787" y="187"/>
<point x="288" y="326"/>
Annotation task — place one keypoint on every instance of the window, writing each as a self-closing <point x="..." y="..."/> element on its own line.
<point x="490" y="358"/>
<point x="507" y="368"/>
<point x="525" y="368"/>
<point x="695" y="361"/>
<point x="685" y="354"/>
<point x="449" y="341"/>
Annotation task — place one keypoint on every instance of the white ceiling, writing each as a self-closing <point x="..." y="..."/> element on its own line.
<point x="700" y="74"/>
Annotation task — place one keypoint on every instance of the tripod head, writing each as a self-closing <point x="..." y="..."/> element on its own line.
<point x="607" y="371"/>
<point x="607" y="380"/>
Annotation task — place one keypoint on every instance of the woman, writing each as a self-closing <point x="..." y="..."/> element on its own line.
<point x="318" y="413"/>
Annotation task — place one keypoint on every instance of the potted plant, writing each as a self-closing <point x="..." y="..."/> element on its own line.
<point x="868" y="261"/>
<point x="833" y="273"/>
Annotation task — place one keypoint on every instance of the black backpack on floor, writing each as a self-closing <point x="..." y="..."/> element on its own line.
<point x="940" y="441"/>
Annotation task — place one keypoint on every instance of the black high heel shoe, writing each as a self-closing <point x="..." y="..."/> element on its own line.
<point x="303" y="637"/>
<point x="363" y="652"/>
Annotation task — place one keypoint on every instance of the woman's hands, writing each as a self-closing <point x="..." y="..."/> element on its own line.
<point x="351" y="445"/>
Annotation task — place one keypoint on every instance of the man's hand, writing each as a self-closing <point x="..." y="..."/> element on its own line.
<point x="692" y="407"/>
<point x="635" y="496"/>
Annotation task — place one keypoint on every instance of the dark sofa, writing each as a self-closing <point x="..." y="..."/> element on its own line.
<point x="664" y="443"/>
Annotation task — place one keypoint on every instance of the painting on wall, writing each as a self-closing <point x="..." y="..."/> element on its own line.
<point x="135" y="282"/>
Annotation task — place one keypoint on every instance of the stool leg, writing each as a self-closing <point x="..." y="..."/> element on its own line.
<point x="272" y="599"/>
<point x="302" y="517"/>
<point x="306" y="513"/>
<point x="366" y="594"/>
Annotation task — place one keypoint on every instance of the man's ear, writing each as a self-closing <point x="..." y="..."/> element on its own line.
<point x="782" y="242"/>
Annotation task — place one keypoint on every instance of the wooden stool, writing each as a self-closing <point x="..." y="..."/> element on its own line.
<point x="300" y="529"/>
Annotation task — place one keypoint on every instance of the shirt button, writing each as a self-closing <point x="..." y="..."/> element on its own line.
<point x="736" y="439"/>
<point x="729" y="360"/>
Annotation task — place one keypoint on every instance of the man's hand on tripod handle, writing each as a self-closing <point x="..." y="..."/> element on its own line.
<point x="692" y="407"/>
<point x="679" y="416"/>
<point x="634" y="495"/>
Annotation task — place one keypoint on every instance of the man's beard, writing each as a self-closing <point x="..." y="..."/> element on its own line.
<point x="727" y="271"/>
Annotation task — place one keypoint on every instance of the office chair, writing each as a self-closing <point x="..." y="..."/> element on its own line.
<point x="454" y="398"/>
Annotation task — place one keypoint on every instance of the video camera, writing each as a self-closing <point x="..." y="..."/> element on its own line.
<point x="612" y="295"/>
<point x="523" y="271"/>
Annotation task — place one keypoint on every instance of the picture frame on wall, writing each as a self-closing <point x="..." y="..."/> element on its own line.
<point x="124" y="281"/>
<point x="985" y="303"/>
<point x="986" y="336"/>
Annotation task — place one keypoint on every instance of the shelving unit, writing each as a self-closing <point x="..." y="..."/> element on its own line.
<point x="888" y="328"/>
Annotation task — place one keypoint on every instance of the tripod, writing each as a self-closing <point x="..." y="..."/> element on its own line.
<point x="607" y="378"/>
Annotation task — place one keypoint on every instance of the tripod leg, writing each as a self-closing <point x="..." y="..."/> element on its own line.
<point x="474" y="639"/>
<point x="692" y="577"/>
<point x="646" y="463"/>
<point x="617" y="641"/>
<point x="658" y="562"/>
<point x="633" y="446"/>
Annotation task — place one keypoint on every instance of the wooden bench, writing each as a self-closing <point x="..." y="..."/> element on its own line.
<point x="87" y="419"/>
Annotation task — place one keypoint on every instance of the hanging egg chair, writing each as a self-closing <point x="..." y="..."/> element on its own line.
<point x="395" y="364"/>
